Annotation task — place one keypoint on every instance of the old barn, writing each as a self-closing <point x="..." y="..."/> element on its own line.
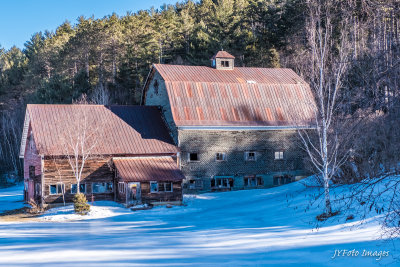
<point x="130" y="156"/>
<point x="236" y="127"/>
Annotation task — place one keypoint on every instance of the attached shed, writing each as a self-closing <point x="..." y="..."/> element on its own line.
<point x="148" y="180"/>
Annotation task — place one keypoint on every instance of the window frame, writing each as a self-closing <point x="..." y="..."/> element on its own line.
<point x="105" y="192"/>
<point x="121" y="188"/>
<point x="225" y="63"/>
<point x="223" y="156"/>
<point x="151" y="189"/>
<point x="195" y="184"/>
<point x="57" y="191"/>
<point x="279" y="155"/>
<point x="79" y="189"/>
<point x="247" y="156"/>
<point x="221" y="182"/>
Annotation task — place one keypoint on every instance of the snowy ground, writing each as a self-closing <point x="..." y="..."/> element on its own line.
<point x="251" y="227"/>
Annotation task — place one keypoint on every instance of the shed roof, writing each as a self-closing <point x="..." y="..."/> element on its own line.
<point x="126" y="130"/>
<point x="204" y="96"/>
<point x="141" y="169"/>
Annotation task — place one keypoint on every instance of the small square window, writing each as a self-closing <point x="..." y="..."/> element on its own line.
<point x="278" y="154"/>
<point x="193" y="157"/>
<point x="250" y="156"/>
<point x="220" y="156"/>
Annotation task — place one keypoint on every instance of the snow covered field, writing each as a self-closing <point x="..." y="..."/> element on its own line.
<point x="251" y="227"/>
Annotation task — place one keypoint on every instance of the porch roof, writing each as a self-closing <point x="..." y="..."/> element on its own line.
<point x="144" y="169"/>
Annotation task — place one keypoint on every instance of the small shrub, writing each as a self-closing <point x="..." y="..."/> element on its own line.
<point x="350" y="217"/>
<point x="80" y="204"/>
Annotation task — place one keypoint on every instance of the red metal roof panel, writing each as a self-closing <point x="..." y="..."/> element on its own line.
<point x="144" y="169"/>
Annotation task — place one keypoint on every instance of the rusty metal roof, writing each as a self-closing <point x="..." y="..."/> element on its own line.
<point x="126" y="130"/>
<point x="222" y="54"/>
<point x="141" y="169"/>
<point x="204" y="96"/>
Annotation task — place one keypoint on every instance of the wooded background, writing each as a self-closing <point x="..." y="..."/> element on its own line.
<point x="109" y="59"/>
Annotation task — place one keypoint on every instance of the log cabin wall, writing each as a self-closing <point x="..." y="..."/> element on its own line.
<point x="59" y="171"/>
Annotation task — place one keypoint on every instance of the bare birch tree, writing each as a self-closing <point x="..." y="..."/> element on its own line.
<point x="328" y="63"/>
<point x="80" y="138"/>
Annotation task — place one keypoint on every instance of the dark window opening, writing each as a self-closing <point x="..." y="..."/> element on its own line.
<point x="253" y="181"/>
<point x="82" y="188"/>
<point x="225" y="63"/>
<point x="195" y="184"/>
<point x="31" y="172"/>
<point x="220" y="157"/>
<point x="57" y="189"/>
<point x="165" y="187"/>
<point x="284" y="179"/>
<point x="250" y="156"/>
<point x="221" y="183"/>
<point x="193" y="157"/>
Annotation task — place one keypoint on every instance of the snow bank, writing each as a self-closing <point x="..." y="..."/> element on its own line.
<point x="101" y="209"/>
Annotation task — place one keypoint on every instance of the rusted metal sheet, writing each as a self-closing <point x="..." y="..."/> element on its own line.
<point x="141" y="169"/>
<point x="201" y="95"/>
<point x="126" y="130"/>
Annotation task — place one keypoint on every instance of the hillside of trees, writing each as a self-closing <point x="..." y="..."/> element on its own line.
<point x="108" y="59"/>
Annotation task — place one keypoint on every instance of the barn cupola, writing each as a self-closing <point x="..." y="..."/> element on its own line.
<point x="223" y="61"/>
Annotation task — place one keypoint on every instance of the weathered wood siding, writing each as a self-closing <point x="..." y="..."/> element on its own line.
<point x="175" y="195"/>
<point x="59" y="171"/>
<point x="147" y="197"/>
<point x="31" y="158"/>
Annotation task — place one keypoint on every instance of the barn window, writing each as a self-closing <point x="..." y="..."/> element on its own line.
<point x="283" y="179"/>
<point x="221" y="182"/>
<point x="278" y="154"/>
<point x="195" y="184"/>
<point x="156" y="85"/>
<point x="225" y="63"/>
<point x="252" y="181"/>
<point x="57" y="189"/>
<point x="31" y="172"/>
<point x="153" y="187"/>
<point x="250" y="156"/>
<point x="82" y="188"/>
<point x="121" y="187"/>
<point x="193" y="157"/>
<point x="165" y="187"/>
<point x="220" y="156"/>
<point x="102" y="187"/>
